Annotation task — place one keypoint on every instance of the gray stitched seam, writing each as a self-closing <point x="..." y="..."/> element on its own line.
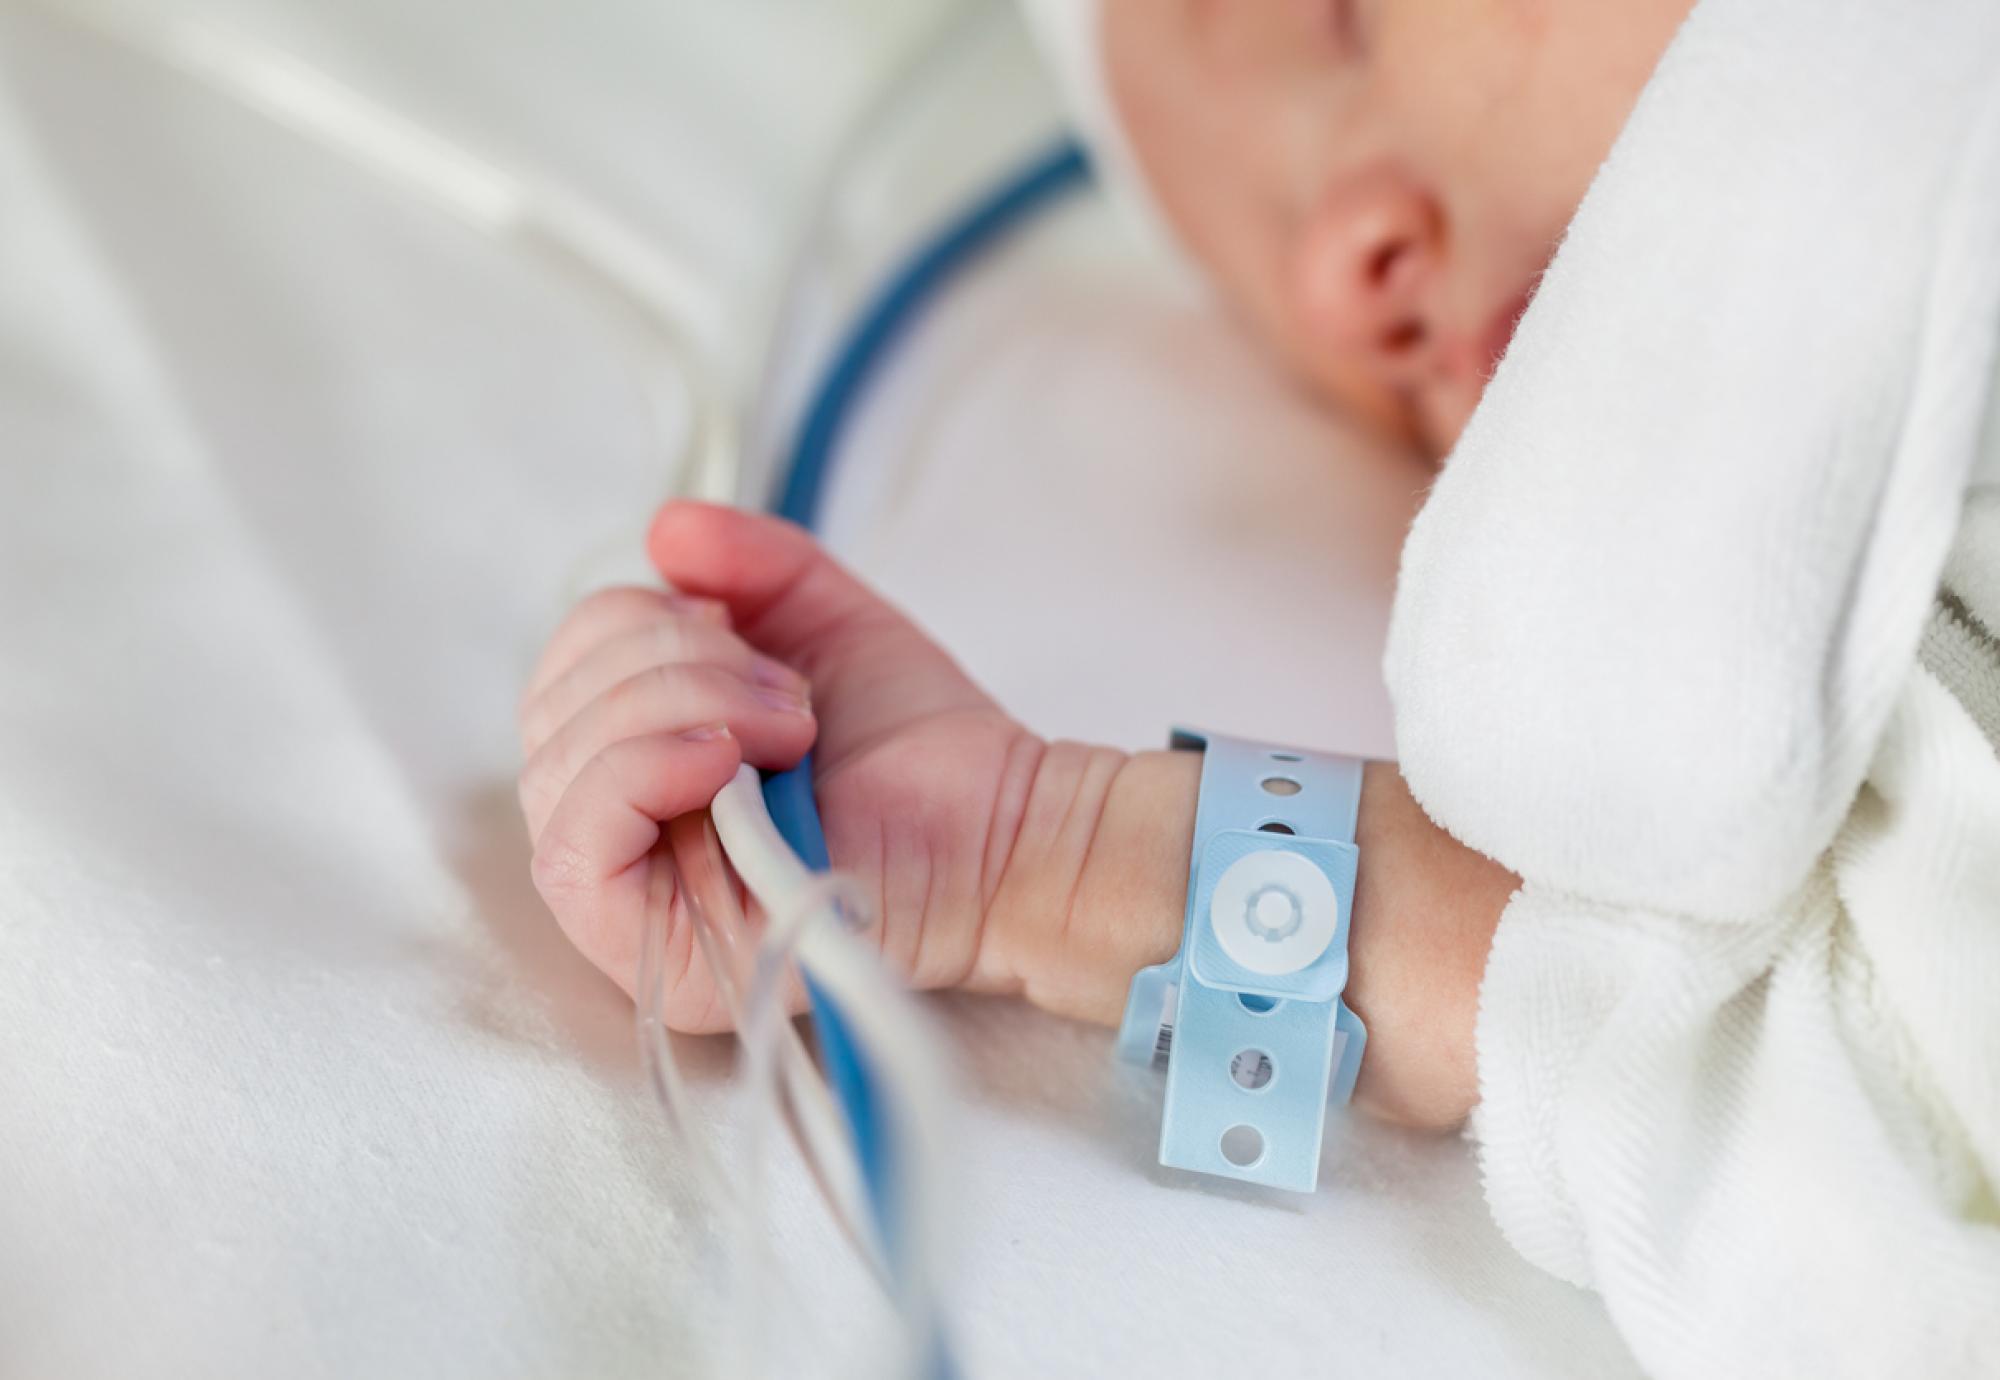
<point x="1959" y="612"/>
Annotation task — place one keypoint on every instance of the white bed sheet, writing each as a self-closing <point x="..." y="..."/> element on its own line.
<point x="296" y="1076"/>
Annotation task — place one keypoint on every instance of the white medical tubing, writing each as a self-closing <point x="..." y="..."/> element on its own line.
<point x="811" y="920"/>
<point x="666" y="303"/>
<point x="727" y="941"/>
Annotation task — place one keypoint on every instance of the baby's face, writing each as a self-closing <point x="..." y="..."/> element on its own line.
<point x="1378" y="184"/>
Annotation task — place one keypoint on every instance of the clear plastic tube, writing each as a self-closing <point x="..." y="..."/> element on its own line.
<point x="663" y="1071"/>
<point x="726" y="933"/>
<point x="818" y="925"/>
<point x="656" y="298"/>
<point x="821" y="921"/>
<point x="763" y="1033"/>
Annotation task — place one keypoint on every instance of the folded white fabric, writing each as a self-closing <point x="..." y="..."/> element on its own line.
<point x="1670" y="643"/>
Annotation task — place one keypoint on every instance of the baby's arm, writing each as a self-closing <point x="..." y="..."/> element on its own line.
<point x="1002" y="863"/>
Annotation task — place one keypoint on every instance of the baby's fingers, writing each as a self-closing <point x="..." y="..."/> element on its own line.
<point x="589" y="858"/>
<point x="774" y="726"/>
<point x="872" y="667"/>
<point x="608" y="614"/>
<point x="661" y="640"/>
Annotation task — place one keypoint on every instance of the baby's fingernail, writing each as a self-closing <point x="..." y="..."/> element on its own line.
<point x="783" y="700"/>
<point x="765" y="671"/>
<point x="694" y="606"/>
<point x="707" y="733"/>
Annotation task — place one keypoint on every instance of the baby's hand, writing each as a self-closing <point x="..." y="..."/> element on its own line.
<point x="998" y="862"/>
<point x="645" y="702"/>
<point x="641" y="709"/>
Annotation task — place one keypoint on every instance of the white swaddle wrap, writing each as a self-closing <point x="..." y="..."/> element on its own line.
<point x="1669" y="643"/>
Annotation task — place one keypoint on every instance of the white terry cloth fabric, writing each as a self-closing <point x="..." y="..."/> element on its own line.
<point x="1657" y="649"/>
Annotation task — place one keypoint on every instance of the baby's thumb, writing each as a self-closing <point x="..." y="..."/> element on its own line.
<point x="869" y="665"/>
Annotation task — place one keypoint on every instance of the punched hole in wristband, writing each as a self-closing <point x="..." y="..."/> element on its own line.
<point x="1252" y="1070"/>
<point x="1243" y="1146"/>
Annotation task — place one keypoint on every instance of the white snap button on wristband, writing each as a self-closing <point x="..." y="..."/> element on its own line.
<point x="1273" y="912"/>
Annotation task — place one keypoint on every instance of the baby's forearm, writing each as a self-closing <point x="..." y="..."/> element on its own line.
<point x="1094" y="887"/>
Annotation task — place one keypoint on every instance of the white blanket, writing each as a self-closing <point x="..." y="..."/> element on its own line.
<point x="1657" y="649"/>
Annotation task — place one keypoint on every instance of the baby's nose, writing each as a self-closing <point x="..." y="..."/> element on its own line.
<point x="1368" y="261"/>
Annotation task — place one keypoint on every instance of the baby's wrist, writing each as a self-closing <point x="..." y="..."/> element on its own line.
<point x="1094" y="887"/>
<point x="1095" y="882"/>
<point x="1425" y="909"/>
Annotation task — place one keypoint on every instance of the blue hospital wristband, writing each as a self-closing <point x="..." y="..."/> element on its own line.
<point x="1248" y="1016"/>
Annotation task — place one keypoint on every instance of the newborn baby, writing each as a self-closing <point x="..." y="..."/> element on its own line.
<point x="1384" y="247"/>
<point x="1723" y="955"/>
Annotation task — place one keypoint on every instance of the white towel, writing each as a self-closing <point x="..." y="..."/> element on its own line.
<point x="1670" y="643"/>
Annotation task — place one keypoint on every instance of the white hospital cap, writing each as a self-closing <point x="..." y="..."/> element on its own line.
<point x="1070" y="34"/>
